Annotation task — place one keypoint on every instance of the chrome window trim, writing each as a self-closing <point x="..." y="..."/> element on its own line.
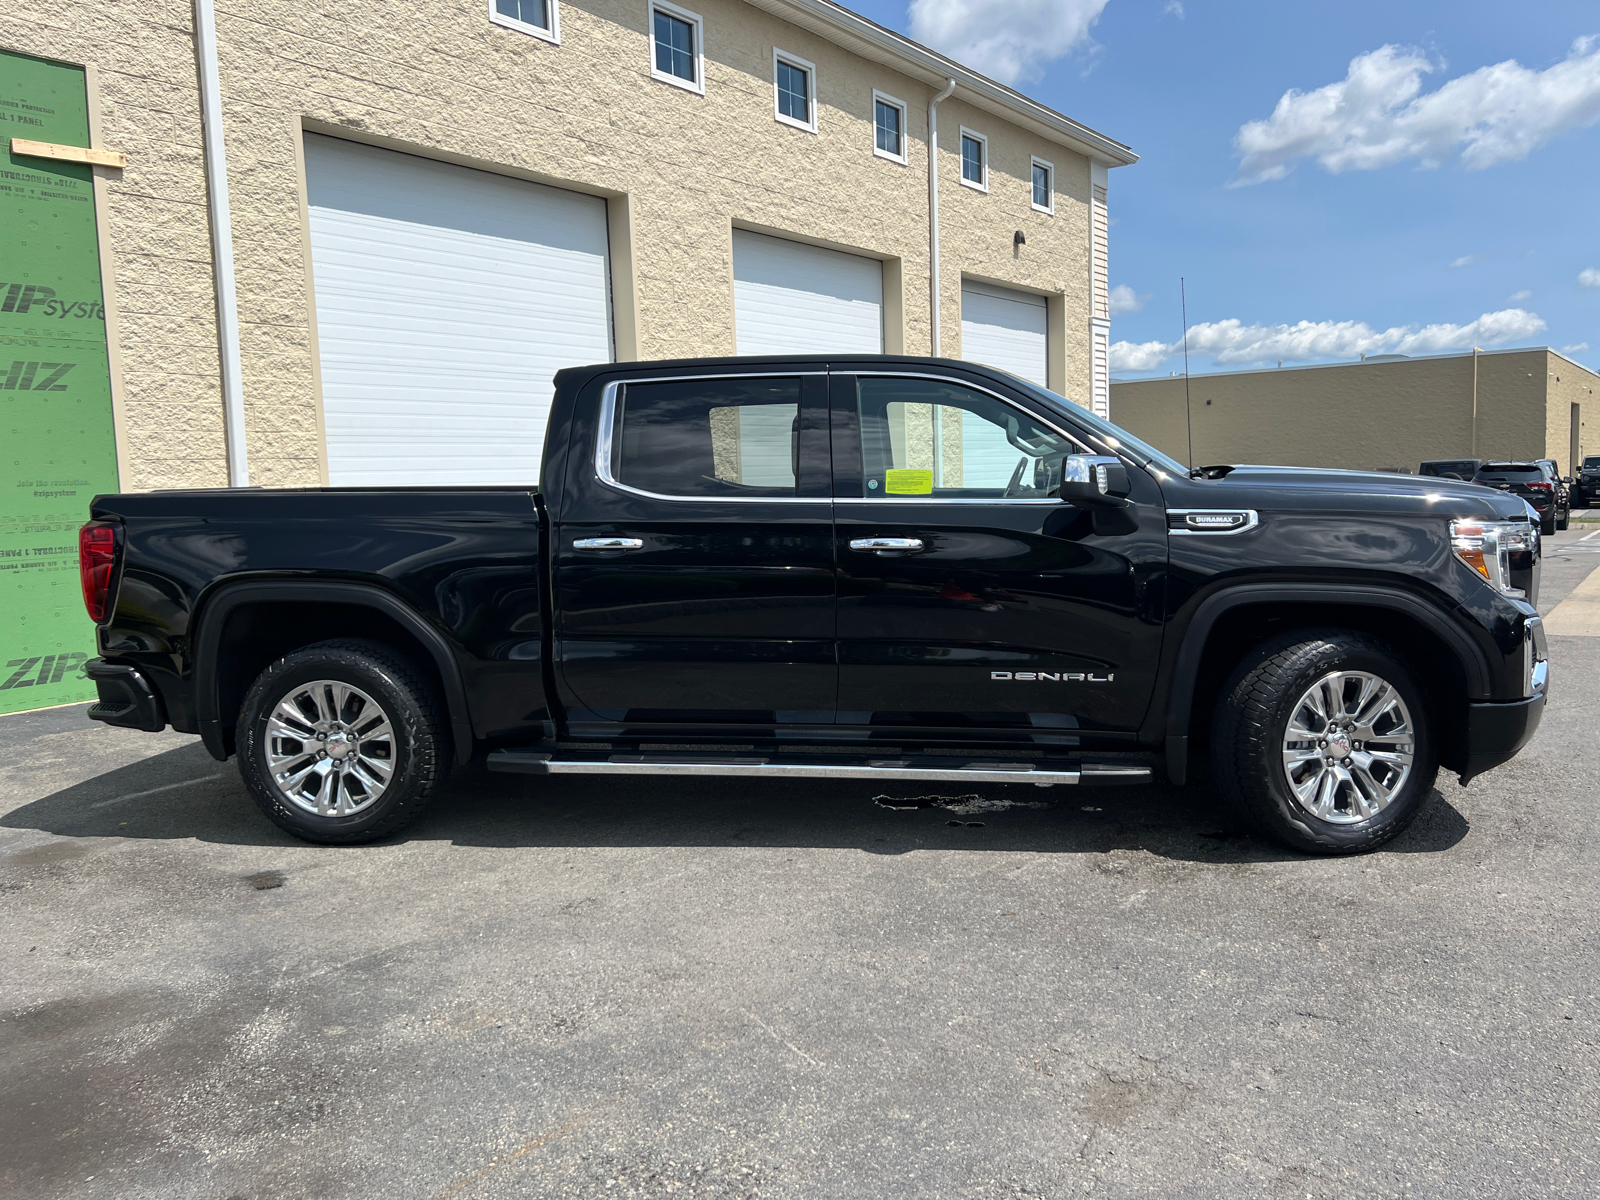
<point x="604" y="440"/>
<point x="608" y="423"/>
<point x="1252" y="520"/>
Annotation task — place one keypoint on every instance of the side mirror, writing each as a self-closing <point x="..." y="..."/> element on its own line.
<point x="1093" y="479"/>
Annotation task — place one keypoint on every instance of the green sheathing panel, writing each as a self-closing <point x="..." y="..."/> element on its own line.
<point x="57" y="445"/>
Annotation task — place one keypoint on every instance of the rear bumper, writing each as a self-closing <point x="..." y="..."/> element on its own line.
<point x="126" y="698"/>
<point x="1496" y="732"/>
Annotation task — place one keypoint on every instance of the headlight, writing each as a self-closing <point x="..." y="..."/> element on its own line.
<point x="1497" y="550"/>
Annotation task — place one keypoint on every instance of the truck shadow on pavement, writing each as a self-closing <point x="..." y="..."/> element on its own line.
<point x="184" y="793"/>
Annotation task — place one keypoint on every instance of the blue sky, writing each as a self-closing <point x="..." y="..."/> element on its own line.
<point x="1431" y="201"/>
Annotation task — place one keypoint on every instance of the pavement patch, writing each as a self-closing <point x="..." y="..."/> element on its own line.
<point x="1579" y="614"/>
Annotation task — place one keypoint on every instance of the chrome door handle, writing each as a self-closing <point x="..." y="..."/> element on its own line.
<point x="608" y="544"/>
<point x="883" y="545"/>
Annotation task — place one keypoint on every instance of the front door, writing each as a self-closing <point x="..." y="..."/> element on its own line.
<point x="970" y="598"/>
<point x="694" y="558"/>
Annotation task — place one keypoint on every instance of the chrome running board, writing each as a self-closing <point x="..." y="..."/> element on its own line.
<point x="918" y="769"/>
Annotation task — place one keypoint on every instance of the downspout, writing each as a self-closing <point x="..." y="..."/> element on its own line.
<point x="933" y="209"/>
<point x="205" y="29"/>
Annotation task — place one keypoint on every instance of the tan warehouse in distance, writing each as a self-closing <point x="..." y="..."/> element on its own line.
<point x="1387" y="413"/>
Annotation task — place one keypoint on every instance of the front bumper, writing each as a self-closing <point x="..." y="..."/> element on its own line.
<point x="126" y="698"/>
<point x="1496" y="732"/>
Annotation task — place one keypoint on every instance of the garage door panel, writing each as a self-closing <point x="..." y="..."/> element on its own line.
<point x="1006" y="329"/>
<point x="393" y="190"/>
<point x="447" y="299"/>
<point x="791" y="298"/>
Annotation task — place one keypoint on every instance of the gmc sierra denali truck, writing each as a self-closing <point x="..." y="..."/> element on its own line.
<point x="907" y="570"/>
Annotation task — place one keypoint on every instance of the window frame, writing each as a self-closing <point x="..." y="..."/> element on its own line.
<point x="810" y="69"/>
<point x="1050" y="186"/>
<point x="695" y="22"/>
<point x="551" y="35"/>
<point x="904" y="157"/>
<point x="842" y="478"/>
<point x="982" y="141"/>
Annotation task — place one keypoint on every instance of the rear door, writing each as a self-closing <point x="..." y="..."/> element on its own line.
<point x="970" y="598"/>
<point x="694" y="571"/>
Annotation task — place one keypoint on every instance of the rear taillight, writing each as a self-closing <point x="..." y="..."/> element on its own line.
<point x="97" y="554"/>
<point x="1541" y="487"/>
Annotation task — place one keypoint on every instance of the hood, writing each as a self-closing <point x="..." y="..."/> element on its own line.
<point x="1308" y="488"/>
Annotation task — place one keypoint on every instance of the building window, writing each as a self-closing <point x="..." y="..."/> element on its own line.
<point x="676" y="56"/>
<point x="974" y="160"/>
<point x="1044" y="187"/>
<point x="795" y="85"/>
<point x="889" y="127"/>
<point x="541" y="18"/>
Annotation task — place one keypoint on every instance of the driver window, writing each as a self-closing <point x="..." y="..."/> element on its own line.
<point x="938" y="440"/>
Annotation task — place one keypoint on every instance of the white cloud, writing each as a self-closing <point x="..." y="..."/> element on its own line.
<point x="1139" y="356"/>
<point x="1466" y="260"/>
<point x="1519" y="297"/>
<point x="1575" y="347"/>
<point x="1009" y="40"/>
<point x="1125" y="300"/>
<point x="1376" y="115"/>
<point x="1589" y="277"/>
<point x="1174" y="7"/>
<point x="1232" y="343"/>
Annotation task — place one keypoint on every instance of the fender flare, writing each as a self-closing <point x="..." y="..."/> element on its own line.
<point x="216" y="608"/>
<point x="1186" y="666"/>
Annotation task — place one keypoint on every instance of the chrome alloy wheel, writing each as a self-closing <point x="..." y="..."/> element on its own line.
<point x="330" y="748"/>
<point x="1349" y="745"/>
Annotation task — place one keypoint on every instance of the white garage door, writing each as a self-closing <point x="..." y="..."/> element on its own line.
<point x="790" y="298"/>
<point x="446" y="300"/>
<point x="1005" y="329"/>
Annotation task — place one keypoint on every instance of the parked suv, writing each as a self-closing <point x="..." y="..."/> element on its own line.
<point x="1563" y="488"/>
<point x="1586" y="483"/>
<point x="907" y="571"/>
<point x="1534" y="482"/>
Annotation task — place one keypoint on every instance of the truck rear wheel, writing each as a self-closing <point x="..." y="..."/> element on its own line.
<point x="1323" y="737"/>
<point x="342" y="742"/>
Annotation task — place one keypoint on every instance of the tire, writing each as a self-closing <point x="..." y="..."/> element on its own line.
<point x="1547" y="525"/>
<point x="1566" y="519"/>
<point x="1250" y="735"/>
<point x="338" y="790"/>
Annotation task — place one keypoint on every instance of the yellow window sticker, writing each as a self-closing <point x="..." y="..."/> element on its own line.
<point x="907" y="481"/>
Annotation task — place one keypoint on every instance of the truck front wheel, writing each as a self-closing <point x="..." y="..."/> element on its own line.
<point x="342" y="742"/>
<point x="1323" y="737"/>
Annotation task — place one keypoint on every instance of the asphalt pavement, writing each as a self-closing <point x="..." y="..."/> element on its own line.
<point x="625" y="988"/>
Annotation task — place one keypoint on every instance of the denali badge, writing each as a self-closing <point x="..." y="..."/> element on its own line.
<point x="1053" y="676"/>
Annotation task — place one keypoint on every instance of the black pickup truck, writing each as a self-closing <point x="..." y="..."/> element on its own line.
<point x="884" y="568"/>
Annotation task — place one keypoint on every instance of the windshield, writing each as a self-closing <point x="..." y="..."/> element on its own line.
<point x="1592" y="461"/>
<point x="1114" y="437"/>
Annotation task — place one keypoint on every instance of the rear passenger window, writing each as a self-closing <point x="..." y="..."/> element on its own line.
<point x="712" y="437"/>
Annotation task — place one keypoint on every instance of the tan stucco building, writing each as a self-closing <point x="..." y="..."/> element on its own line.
<point x="434" y="206"/>
<point x="1386" y="413"/>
